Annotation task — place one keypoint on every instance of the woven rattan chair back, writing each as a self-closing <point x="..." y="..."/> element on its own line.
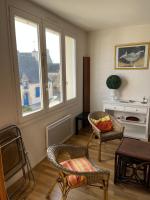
<point x="116" y="133"/>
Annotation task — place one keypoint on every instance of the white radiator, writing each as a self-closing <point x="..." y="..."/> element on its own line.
<point x="59" y="131"/>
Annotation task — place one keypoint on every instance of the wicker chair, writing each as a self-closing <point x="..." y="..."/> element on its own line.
<point x="98" y="177"/>
<point x="116" y="133"/>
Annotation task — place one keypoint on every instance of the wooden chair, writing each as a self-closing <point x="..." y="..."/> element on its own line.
<point x="70" y="175"/>
<point x="3" y="193"/>
<point x="116" y="133"/>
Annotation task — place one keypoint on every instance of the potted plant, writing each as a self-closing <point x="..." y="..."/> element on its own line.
<point x="113" y="82"/>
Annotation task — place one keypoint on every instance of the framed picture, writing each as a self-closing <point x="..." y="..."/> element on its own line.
<point x="132" y="56"/>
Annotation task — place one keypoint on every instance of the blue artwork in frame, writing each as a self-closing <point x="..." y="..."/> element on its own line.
<point x="132" y="56"/>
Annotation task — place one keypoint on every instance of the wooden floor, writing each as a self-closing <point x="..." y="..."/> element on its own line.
<point x="45" y="175"/>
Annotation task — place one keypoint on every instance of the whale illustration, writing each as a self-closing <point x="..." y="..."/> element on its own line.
<point x="132" y="57"/>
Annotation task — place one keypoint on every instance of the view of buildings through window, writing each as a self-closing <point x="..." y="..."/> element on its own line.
<point x="53" y="47"/>
<point x="28" y="42"/>
<point x="27" y="39"/>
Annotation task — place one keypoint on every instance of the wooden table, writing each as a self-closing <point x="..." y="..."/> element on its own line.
<point x="132" y="162"/>
<point x="82" y="117"/>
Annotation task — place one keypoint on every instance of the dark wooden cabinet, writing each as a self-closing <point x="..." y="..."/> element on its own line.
<point x="86" y="84"/>
<point x="86" y="94"/>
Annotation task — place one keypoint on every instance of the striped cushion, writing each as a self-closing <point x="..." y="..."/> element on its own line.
<point x="79" y="165"/>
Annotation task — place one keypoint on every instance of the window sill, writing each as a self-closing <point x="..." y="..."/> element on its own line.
<point x="33" y="118"/>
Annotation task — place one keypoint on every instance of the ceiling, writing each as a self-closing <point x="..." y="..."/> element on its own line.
<point x="100" y="14"/>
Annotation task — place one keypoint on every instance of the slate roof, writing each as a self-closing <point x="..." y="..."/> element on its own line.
<point x="29" y="67"/>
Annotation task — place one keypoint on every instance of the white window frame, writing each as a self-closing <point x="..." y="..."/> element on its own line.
<point x="72" y="35"/>
<point x="18" y="13"/>
<point x="43" y="24"/>
<point x="55" y="28"/>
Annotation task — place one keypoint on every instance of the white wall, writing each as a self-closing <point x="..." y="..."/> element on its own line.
<point x="33" y="131"/>
<point x="136" y="83"/>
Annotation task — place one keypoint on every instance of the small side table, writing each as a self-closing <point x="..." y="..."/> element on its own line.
<point x="81" y="117"/>
<point x="132" y="162"/>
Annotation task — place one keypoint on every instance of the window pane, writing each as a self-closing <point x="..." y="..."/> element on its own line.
<point x="29" y="65"/>
<point x="70" y="52"/>
<point x="54" y="67"/>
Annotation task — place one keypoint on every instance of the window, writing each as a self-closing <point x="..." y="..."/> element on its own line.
<point x="70" y="52"/>
<point x="40" y="77"/>
<point x="37" y="92"/>
<point x="29" y="64"/>
<point x="54" y="70"/>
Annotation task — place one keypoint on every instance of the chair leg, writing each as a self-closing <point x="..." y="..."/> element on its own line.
<point x="64" y="188"/>
<point x="90" y="139"/>
<point x="105" y="188"/>
<point x="106" y="194"/>
<point x="65" y="192"/>
<point x="99" y="154"/>
<point x="64" y="197"/>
